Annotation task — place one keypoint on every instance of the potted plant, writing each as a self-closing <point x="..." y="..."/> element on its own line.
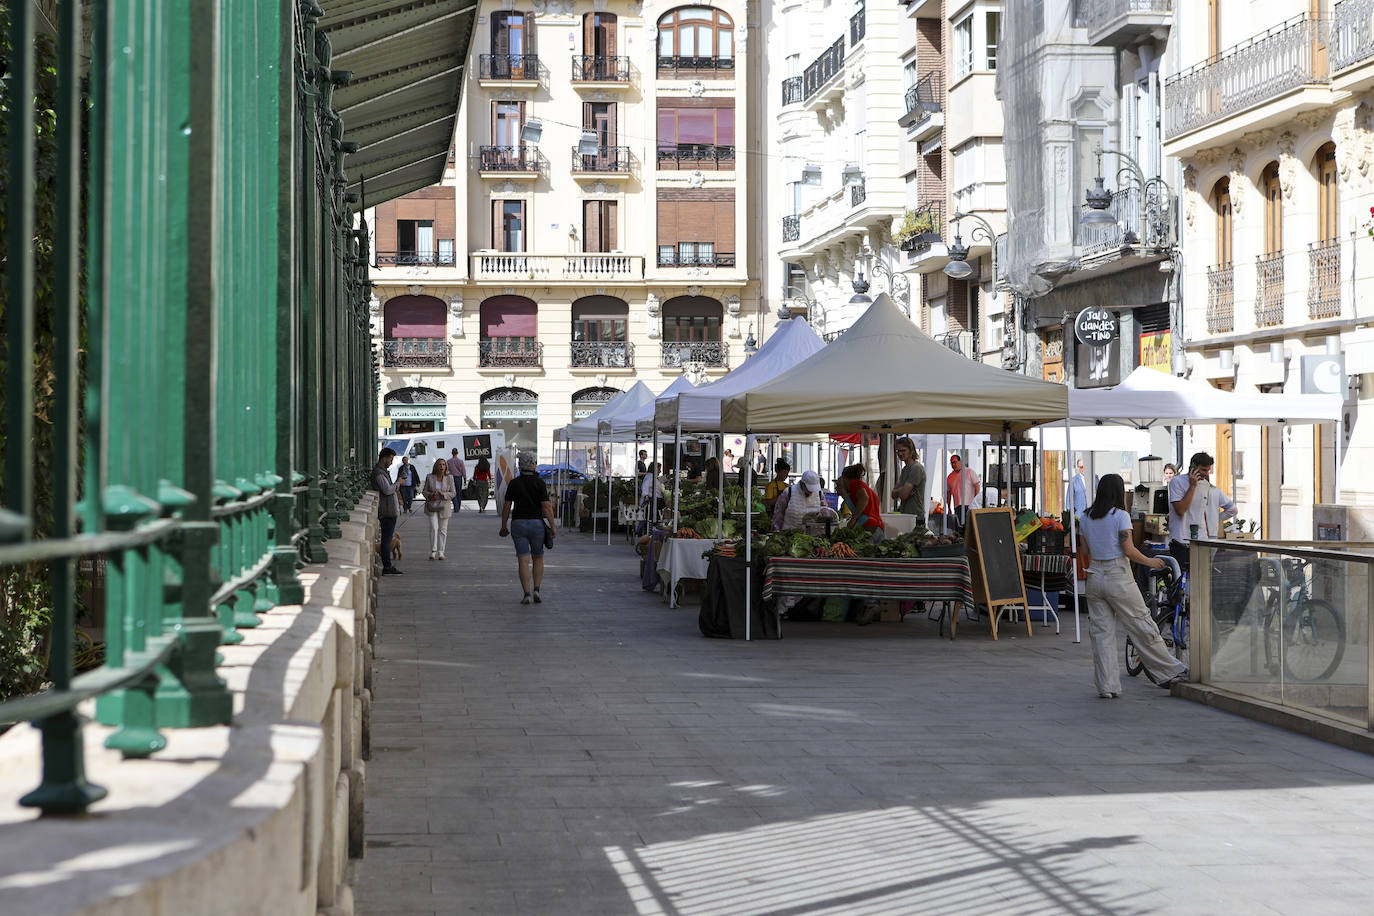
<point x="1239" y="529"/>
<point x="916" y="228"/>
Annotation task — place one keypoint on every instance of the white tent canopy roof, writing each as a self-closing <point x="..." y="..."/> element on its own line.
<point x="1148" y="397"/>
<point x="699" y="410"/>
<point x="885" y="374"/>
<point x="638" y="400"/>
<point x="639" y="423"/>
<point x="584" y="430"/>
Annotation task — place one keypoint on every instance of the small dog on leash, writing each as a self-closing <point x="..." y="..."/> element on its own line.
<point x="395" y="547"/>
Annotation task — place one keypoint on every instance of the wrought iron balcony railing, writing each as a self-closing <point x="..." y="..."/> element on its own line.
<point x="1260" y="69"/>
<point x="602" y="354"/>
<point x="960" y="342"/>
<point x="858" y="25"/>
<point x="1269" y="289"/>
<point x="1353" y="41"/>
<point x="416" y="259"/>
<point x="614" y="159"/>
<point x="695" y="156"/>
<point x="711" y="353"/>
<point x="823" y="69"/>
<point x="925" y="98"/>
<point x="1221" y="299"/>
<point x="922" y="227"/>
<point x="590" y="69"/>
<point x="508" y="67"/>
<point x="858" y="193"/>
<point x="1094" y="15"/>
<point x="1324" y="279"/>
<point x="792" y="90"/>
<point x="677" y="259"/>
<point x="693" y="67"/>
<point x="791" y="228"/>
<point x="421" y="352"/>
<point x="507" y="159"/>
<point x="495" y="352"/>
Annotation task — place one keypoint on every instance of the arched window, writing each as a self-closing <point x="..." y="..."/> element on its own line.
<point x="1269" y="266"/>
<point x="589" y="400"/>
<point x="415" y="330"/>
<point x="1324" y="258"/>
<point x="415" y="410"/>
<point x="1221" y="205"/>
<point x="1221" y="290"/>
<point x="510" y="332"/>
<point x="691" y="331"/>
<point x="696" y="41"/>
<point x="514" y="410"/>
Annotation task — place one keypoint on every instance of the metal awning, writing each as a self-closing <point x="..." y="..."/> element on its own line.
<point x="408" y="59"/>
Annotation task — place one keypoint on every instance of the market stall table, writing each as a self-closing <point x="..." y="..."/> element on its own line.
<point x="681" y="558"/>
<point x="1053" y="569"/>
<point x="897" y="523"/>
<point x="923" y="579"/>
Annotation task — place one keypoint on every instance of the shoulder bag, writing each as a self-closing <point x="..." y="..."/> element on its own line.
<point x="548" y="534"/>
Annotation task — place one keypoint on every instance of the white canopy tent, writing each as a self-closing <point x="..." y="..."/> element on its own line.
<point x="584" y="430"/>
<point x="886" y="375"/>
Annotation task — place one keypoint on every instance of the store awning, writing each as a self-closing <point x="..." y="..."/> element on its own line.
<point x="408" y="59"/>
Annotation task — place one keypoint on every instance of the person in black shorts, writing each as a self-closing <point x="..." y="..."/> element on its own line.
<point x="527" y="510"/>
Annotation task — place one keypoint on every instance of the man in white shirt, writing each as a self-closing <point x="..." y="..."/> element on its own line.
<point x="961" y="489"/>
<point x="1195" y="503"/>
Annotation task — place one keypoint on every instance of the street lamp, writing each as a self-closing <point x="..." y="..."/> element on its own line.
<point x="751" y="346"/>
<point x="860" y="296"/>
<point x="958" y="267"/>
<point x="1154" y="206"/>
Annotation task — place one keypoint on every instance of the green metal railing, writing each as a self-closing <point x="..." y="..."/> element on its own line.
<point x="222" y="429"/>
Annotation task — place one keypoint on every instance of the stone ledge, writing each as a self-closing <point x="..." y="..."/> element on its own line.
<point x="245" y="818"/>
<point x="1328" y="730"/>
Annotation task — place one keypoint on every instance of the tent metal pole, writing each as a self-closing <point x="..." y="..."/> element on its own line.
<point x="596" y="483"/>
<point x="677" y="468"/>
<point x="1073" y="539"/>
<point x="720" y="484"/>
<point x="1340" y="435"/>
<point x="657" y="469"/>
<point x="748" y="538"/>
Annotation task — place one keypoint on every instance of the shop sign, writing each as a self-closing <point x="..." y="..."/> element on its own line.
<point x="1096" y="327"/>
<point x="478" y="446"/>
<point x="509" y="412"/>
<point x="416" y="411"/>
<point x="1323" y="374"/>
<point x="1097" y="367"/>
<point x="1154" y="350"/>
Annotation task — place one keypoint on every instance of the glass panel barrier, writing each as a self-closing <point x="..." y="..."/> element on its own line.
<point x="1287" y="624"/>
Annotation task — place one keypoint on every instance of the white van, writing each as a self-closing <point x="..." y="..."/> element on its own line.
<point x="423" y="449"/>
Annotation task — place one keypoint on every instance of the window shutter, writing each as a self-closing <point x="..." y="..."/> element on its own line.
<point x="668" y="222"/>
<point x="589" y="34"/>
<point x="725" y="227"/>
<point x="527" y="23"/>
<point x="609" y="20"/>
<point x="591" y="225"/>
<point x="587" y="116"/>
<point x="610" y="222"/>
<point x="500" y="34"/>
<point x="696" y="221"/>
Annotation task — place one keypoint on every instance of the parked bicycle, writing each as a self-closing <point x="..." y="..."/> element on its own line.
<point x="1167" y="599"/>
<point x="1303" y="635"/>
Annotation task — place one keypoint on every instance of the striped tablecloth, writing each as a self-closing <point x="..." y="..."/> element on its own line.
<point x="1050" y="570"/>
<point x="935" y="579"/>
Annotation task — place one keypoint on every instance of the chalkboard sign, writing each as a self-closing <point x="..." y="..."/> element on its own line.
<point x="995" y="562"/>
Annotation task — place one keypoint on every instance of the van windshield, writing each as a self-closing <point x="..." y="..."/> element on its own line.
<point x="396" y="445"/>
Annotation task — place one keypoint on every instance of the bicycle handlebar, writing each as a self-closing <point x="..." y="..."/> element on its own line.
<point x="1172" y="566"/>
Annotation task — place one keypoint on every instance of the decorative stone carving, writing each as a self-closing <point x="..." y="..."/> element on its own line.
<point x="1258" y="139"/>
<point x="1238" y="183"/>
<point x="508" y="187"/>
<point x="413" y="381"/>
<point x="694" y="290"/>
<point x="600" y="291"/>
<point x="455" y="310"/>
<point x="600" y="188"/>
<point x="696" y="88"/>
<point x="1364" y="138"/>
<point x="696" y="179"/>
<point x="695" y="370"/>
<point x="1288" y="164"/>
<point x="651" y="308"/>
<point x="1343" y="132"/>
<point x="601" y="380"/>
<point x="1209" y="157"/>
<point x="599" y="6"/>
<point x="732" y="312"/>
<point x="741" y="37"/>
<point x="1311" y="119"/>
<point x="374" y="316"/>
<point x="509" y="290"/>
<point x="415" y="289"/>
<point x="1189" y="195"/>
<point x="509" y="379"/>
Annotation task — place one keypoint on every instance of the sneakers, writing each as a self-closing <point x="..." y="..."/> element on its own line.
<point x="390" y="571"/>
<point x="537" y="599"/>
<point x="432" y="555"/>
<point x="1109" y="696"/>
<point x="439" y="557"/>
<point x="1176" y="679"/>
<point x="526" y="599"/>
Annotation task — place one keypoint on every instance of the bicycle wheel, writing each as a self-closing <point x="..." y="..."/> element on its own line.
<point x="1272" y="634"/>
<point x="1315" y="641"/>
<point x="1180" y="638"/>
<point x="1133" y="663"/>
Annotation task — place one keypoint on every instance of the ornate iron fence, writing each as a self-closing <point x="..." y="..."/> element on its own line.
<point x="1353" y="38"/>
<point x="925" y="98"/>
<point x="1094" y="14"/>
<point x="922" y="227"/>
<point x="792" y="90"/>
<point x="791" y="228"/>
<point x="823" y="69"/>
<point x="613" y="159"/>
<point x="416" y="352"/>
<point x="1221" y="299"/>
<point x="509" y="351"/>
<point x="858" y="25"/>
<point x="415" y="259"/>
<point x="960" y="342"/>
<point x="589" y="69"/>
<point x="507" y="159"/>
<point x="254" y="366"/>
<point x="1269" y="289"/>
<point x="1324" y="279"/>
<point x="604" y="354"/>
<point x="1285" y="57"/>
<point x="696" y="156"/>
<point x="508" y="67"/>
<point x="858" y="193"/>
<point x="694" y="67"/>
<point x="678" y="259"/>
<point x="711" y="353"/>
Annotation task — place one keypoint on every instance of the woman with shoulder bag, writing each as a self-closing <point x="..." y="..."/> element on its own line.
<point x="439" y="493"/>
<point x="532" y="525"/>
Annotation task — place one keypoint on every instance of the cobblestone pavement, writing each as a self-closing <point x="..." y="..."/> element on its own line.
<point x="594" y="754"/>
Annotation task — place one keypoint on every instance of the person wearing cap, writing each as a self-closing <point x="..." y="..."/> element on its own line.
<point x="802" y="497"/>
<point x="529" y="512"/>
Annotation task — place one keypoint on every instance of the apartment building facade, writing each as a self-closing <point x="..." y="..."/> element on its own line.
<point x="592" y="226"/>
<point x="1270" y="116"/>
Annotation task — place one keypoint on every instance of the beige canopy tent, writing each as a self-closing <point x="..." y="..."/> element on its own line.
<point x="885" y="374"/>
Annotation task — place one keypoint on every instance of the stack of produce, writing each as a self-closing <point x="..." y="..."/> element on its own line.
<point x="844" y="543"/>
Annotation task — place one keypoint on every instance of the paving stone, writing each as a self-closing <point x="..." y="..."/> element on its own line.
<point x="594" y="750"/>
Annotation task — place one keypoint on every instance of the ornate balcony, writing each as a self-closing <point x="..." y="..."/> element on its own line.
<point x="1221" y="299"/>
<point x="792" y="90"/>
<point x="508" y="161"/>
<point x="560" y="268"/>
<point x="1122" y="22"/>
<point x="416" y="352"/>
<point x="791" y="228"/>
<point x="691" y="68"/>
<point x="858" y="193"/>
<point x="858" y="26"/>
<point x="695" y="156"/>
<point x="602" y="354"/>
<point x="925" y="105"/>
<point x="516" y="68"/>
<point x="614" y="160"/>
<point x="677" y="259"/>
<point x="923" y="227"/>
<point x="710" y="353"/>
<point x="960" y="342"/>
<point x="415" y="259"/>
<point x="498" y="352"/>
<point x="823" y="69"/>
<point x="1285" y="58"/>
<point x="1324" y="279"/>
<point x="1269" y="290"/>
<point x="590" y="69"/>
<point x="1353" y="41"/>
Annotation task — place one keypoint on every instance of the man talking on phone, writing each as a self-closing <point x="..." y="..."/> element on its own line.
<point x="1197" y="507"/>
